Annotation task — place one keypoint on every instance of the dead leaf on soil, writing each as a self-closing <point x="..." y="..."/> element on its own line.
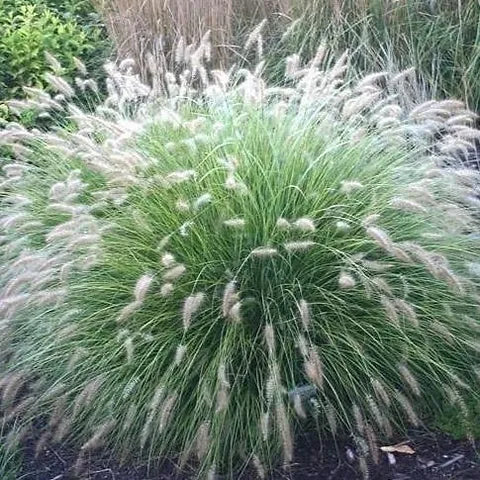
<point x="400" y="448"/>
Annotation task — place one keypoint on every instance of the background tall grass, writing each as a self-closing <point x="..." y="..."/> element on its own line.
<point x="136" y="26"/>
<point x="440" y="38"/>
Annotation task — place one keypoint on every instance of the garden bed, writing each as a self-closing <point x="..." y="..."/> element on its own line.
<point x="437" y="456"/>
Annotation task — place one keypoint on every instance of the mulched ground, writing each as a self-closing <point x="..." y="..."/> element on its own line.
<point x="436" y="457"/>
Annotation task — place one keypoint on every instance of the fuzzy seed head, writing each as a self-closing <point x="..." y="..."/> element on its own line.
<point x="314" y="368"/>
<point x="300" y="246"/>
<point x="167" y="289"/>
<point x="191" y="307"/>
<point x="304" y="225"/>
<point x="283" y="224"/>
<point x="168" y="260"/>
<point x="235" y="223"/>
<point x="142" y="287"/>
<point x="179" y="354"/>
<point x="346" y="281"/>
<point x="174" y="273"/>
<point x="305" y="314"/>
<point x="230" y="298"/>
<point x="264" y="252"/>
<point x="270" y="339"/>
<point x="350" y="186"/>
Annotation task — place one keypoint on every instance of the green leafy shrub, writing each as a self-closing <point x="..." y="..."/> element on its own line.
<point x="30" y="30"/>
<point x="205" y="274"/>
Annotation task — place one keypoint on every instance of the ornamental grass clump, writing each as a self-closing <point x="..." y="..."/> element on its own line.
<point x="204" y="274"/>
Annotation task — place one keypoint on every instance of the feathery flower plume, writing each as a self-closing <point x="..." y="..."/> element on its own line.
<point x="130" y="417"/>
<point x="314" y="368"/>
<point x="382" y="285"/>
<point x="235" y="312"/>
<point x="59" y="409"/>
<point x="342" y="226"/>
<point x="203" y="440"/>
<point x="60" y="85"/>
<point x="283" y="224"/>
<point x="130" y="387"/>
<point x="235" y="223"/>
<point x="202" y="200"/>
<point x="14" y="383"/>
<point x="142" y="286"/>
<point x="264" y="252"/>
<point x="380" y="391"/>
<point x="180" y="176"/>
<point x="305" y="314"/>
<point x="182" y="205"/>
<point x="406" y="309"/>
<point x="163" y="243"/>
<point x="152" y="407"/>
<point x="53" y="62"/>
<point x="255" y="35"/>
<point x="390" y="309"/>
<point x="179" y="354"/>
<point x="129" y="348"/>
<point x="380" y="237"/>
<point x="99" y="436"/>
<point x="223" y="391"/>
<point x="331" y="418"/>
<point x="265" y="425"/>
<point x="350" y="186"/>
<point x="375" y="411"/>
<point x="166" y="411"/>
<point x="183" y="230"/>
<point x="76" y="356"/>
<point x="270" y="339"/>
<point x="174" y="273"/>
<point x="80" y="66"/>
<point x="400" y="253"/>
<point x="168" y="260"/>
<point x="284" y="428"/>
<point x="230" y="298"/>
<point x="407" y="407"/>
<point x="409" y="379"/>
<point x="443" y="331"/>
<point x="346" y="281"/>
<point x="357" y="415"/>
<point x="302" y="346"/>
<point x="128" y="311"/>
<point x="166" y="289"/>
<point x="300" y="246"/>
<point x="407" y="205"/>
<point x="370" y="220"/>
<point x="298" y="406"/>
<point x="42" y="443"/>
<point x="191" y="307"/>
<point x="86" y="396"/>
<point x="259" y="468"/>
<point x="304" y="225"/>
<point x="62" y="429"/>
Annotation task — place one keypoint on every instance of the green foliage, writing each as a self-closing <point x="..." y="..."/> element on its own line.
<point x="29" y="31"/>
<point x="9" y="458"/>
<point x="177" y="279"/>
<point x="447" y="420"/>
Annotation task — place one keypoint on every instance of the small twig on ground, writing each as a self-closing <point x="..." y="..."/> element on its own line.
<point x="104" y="470"/>
<point x="59" y="457"/>
<point x="456" y="458"/>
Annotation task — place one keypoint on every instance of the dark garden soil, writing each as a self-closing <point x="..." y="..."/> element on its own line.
<point x="436" y="457"/>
